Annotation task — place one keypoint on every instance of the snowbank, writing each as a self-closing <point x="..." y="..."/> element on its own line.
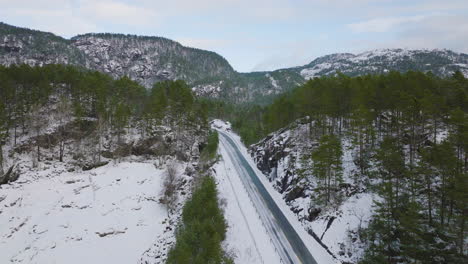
<point x="106" y="215"/>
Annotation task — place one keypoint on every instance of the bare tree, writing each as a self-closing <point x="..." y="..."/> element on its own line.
<point x="101" y="128"/>
<point x="36" y="122"/>
<point x="3" y="135"/>
<point x="64" y="114"/>
<point x="169" y="195"/>
<point x="1" y="158"/>
<point x="360" y="216"/>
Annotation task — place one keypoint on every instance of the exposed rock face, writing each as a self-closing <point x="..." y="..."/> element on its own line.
<point x="153" y="59"/>
<point x="283" y="156"/>
<point x="278" y="156"/>
<point x="149" y="59"/>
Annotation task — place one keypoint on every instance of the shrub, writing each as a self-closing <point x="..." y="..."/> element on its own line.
<point x="209" y="151"/>
<point x="202" y="230"/>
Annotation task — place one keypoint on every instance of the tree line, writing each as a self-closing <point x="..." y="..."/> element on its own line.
<point x="409" y="137"/>
<point x="79" y="96"/>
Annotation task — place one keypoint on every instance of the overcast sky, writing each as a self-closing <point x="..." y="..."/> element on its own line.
<point x="258" y="35"/>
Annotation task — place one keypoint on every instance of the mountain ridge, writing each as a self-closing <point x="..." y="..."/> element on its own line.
<point x="150" y="59"/>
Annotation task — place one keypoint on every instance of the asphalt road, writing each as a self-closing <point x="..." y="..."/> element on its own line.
<point x="287" y="242"/>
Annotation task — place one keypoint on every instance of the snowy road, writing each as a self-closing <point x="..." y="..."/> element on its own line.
<point x="289" y="245"/>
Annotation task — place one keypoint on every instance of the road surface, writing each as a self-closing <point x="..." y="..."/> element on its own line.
<point x="284" y="237"/>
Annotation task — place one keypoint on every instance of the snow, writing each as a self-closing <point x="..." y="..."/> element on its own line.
<point x="107" y="215"/>
<point x="374" y="61"/>
<point x="221" y="125"/>
<point x="349" y="168"/>
<point x="212" y="90"/>
<point x="310" y="73"/>
<point x="390" y="54"/>
<point x="353" y="214"/>
<point x="273" y="82"/>
<point x="442" y="135"/>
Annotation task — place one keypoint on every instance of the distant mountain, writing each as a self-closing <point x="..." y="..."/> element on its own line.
<point x="440" y="62"/>
<point x="21" y="45"/>
<point x="144" y="59"/>
<point x="153" y="59"/>
<point x="149" y="59"/>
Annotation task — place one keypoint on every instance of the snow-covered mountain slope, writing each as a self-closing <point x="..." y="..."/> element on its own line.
<point x="106" y="215"/>
<point x="20" y="45"/>
<point x="149" y="59"/>
<point x="144" y="59"/>
<point x="280" y="157"/>
<point x="153" y="59"/>
<point x="440" y="62"/>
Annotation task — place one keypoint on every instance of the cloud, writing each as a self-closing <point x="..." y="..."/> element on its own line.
<point x="48" y="15"/>
<point x="229" y="10"/>
<point x="117" y="12"/>
<point x="381" y="25"/>
<point x="443" y="31"/>
<point x="288" y="53"/>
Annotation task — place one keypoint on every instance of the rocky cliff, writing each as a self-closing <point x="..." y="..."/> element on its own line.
<point x="282" y="156"/>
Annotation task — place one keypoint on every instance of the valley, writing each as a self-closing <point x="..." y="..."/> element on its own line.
<point x="125" y="148"/>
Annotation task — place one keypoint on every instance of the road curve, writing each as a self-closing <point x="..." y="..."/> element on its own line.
<point x="287" y="242"/>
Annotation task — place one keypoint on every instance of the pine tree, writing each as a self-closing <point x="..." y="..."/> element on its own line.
<point x="390" y="161"/>
<point x="362" y="136"/>
<point x="327" y="164"/>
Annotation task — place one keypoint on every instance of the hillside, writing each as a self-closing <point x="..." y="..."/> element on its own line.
<point x="149" y="59"/>
<point x="374" y="167"/>
<point x="89" y="164"/>
<point x="442" y="63"/>
<point x="153" y="59"/>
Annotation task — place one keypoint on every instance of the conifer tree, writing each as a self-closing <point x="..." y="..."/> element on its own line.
<point x="327" y="164"/>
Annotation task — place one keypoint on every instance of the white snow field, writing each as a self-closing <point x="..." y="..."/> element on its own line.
<point x="250" y="221"/>
<point x="106" y="215"/>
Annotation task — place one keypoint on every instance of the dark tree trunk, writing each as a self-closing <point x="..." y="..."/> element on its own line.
<point x="1" y="159"/>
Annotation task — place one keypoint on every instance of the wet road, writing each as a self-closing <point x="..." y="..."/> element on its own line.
<point x="287" y="242"/>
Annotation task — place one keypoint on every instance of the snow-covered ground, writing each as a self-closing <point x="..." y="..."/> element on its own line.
<point x="354" y="214"/>
<point x="107" y="215"/>
<point x="229" y="175"/>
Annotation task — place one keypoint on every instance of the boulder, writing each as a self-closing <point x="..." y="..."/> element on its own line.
<point x="88" y="167"/>
<point x="10" y="176"/>
<point x="313" y="214"/>
<point x="295" y="193"/>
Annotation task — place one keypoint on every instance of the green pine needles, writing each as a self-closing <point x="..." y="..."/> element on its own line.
<point x="209" y="152"/>
<point x="202" y="230"/>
